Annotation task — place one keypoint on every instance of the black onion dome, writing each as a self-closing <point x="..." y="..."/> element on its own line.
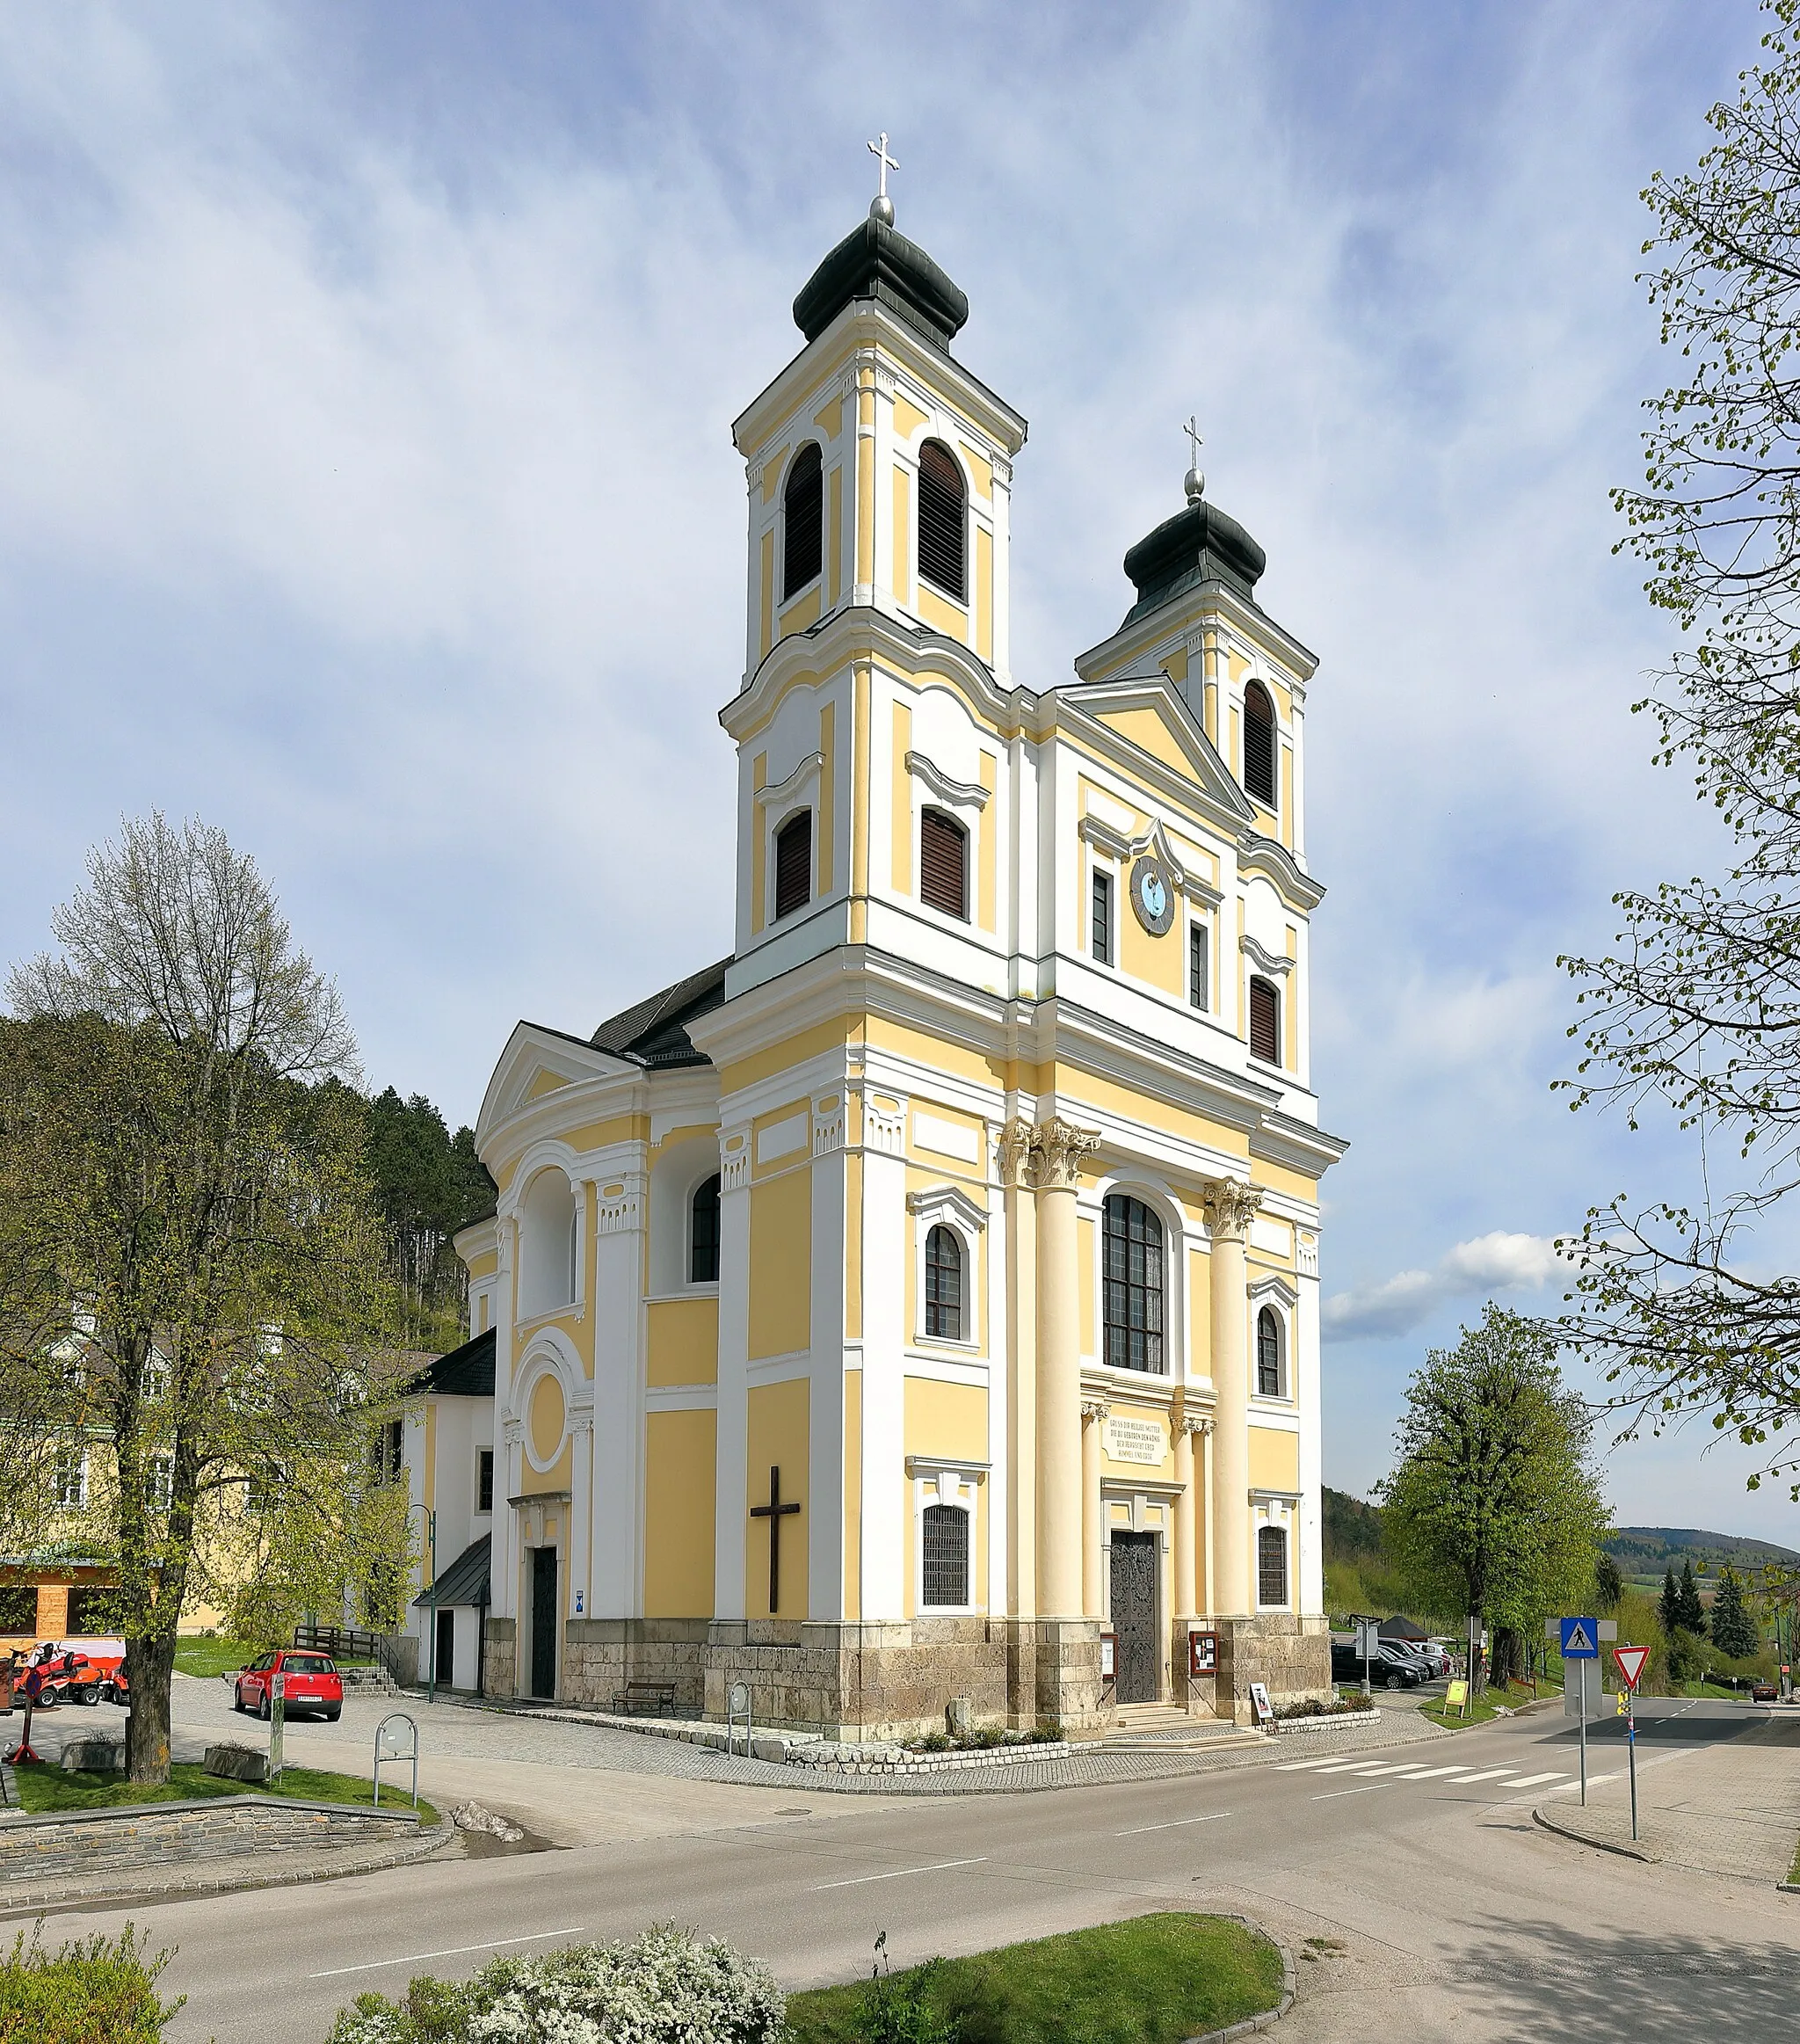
<point x="1198" y="545"/>
<point x="872" y="261"/>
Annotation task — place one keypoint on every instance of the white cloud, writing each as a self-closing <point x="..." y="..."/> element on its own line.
<point x="1493" y="1262"/>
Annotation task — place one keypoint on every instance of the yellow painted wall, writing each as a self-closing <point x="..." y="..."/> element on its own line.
<point x="683" y="1342"/>
<point x="984" y="593"/>
<point x="759" y="849"/>
<point x="1085" y="1251"/>
<point x="1154" y="733"/>
<point x="853" y="1493"/>
<point x="822" y="1036"/>
<point x="901" y="867"/>
<point x="1159" y="961"/>
<point x="1274" y="1459"/>
<point x="780" y="1263"/>
<point x="988" y="830"/>
<point x="828" y="791"/>
<point x="860" y="790"/>
<point x="778" y="1436"/>
<point x="557" y="1477"/>
<point x="835" y="541"/>
<point x="981" y="475"/>
<point x="1200" y="1310"/>
<point x="831" y="420"/>
<point x="903" y="534"/>
<point x="949" y="1420"/>
<point x="545" y="1082"/>
<point x="547" y="1417"/>
<point x="680" y="1451"/>
<point x="803" y="611"/>
<point x="941" y="614"/>
<point x="765" y="635"/>
<point x="908" y="418"/>
<point x="864" y="478"/>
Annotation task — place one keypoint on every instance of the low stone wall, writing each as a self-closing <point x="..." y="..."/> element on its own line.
<point x="1291" y="1656"/>
<point x="500" y="1657"/>
<point x="70" y="1844"/>
<point x="600" y="1656"/>
<point x="807" y="1749"/>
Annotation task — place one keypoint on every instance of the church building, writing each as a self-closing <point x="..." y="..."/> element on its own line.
<point x="922" y="1303"/>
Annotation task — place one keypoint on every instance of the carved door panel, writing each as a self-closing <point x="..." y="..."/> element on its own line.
<point x="544" y="1621"/>
<point x="1133" y="1583"/>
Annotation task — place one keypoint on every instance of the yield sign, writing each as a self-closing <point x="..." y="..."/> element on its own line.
<point x="1631" y="1661"/>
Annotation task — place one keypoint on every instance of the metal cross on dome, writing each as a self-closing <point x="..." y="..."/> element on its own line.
<point x="1192" y="429"/>
<point x="880" y="148"/>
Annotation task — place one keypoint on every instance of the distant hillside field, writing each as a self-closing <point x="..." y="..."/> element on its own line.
<point x="1643" y="1552"/>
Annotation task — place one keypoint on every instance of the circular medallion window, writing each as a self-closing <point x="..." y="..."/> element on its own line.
<point x="1153" y="895"/>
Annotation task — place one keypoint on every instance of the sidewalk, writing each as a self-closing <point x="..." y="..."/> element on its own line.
<point x="1733" y="1809"/>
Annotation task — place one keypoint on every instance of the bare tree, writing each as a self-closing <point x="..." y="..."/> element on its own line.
<point x="183" y="1175"/>
<point x="1697" y="1008"/>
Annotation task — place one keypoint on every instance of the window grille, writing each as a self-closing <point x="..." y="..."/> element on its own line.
<point x="1259" y="746"/>
<point x="942" y="537"/>
<point x="1271" y="1566"/>
<point x="943" y="863"/>
<point x="1268" y="1353"/>
<point x="794" y="864"/>
<point x="1264" y="1023"/>
<point x="802" y="520"/>
<point x="943" y="1285"/>
<point x="1102" y="918"/>
<point x="70" y="1480"/>
<point x="1132" y="1241"/>
<point x="1197" y="996"/>
<point x="703" y="1252"/>
<point x="484" y="1480"/>
<point x="945" y="1556"/>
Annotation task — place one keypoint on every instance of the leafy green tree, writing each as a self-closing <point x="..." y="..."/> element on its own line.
<point x="1734" y="1631"/>
<point x="204" y="1308"/>
<point x="429" y="1185"/>
<point x="1697" y="1007"/>
<point x="1494" y="1506"/>
<point x="1609" y="1583"/>
<point x="1690" y="1613"/>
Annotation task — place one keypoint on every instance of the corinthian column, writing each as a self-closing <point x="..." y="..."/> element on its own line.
<point x="1057" y="1149"/>
<point x="1228" y="1208"/>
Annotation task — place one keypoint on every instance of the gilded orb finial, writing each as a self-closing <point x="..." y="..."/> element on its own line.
<point x="881" y="206"/>
<point x="1193" y="482"/>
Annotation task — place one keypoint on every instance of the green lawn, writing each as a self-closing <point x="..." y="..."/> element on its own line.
<point x="1153" y="1980"/>
<point x="49" y="1788"/>
<point x="196" y="1656"/>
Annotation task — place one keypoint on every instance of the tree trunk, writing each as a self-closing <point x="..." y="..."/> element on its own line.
<point x="149" y="1671"/>
<point x="1508" y="1656"/>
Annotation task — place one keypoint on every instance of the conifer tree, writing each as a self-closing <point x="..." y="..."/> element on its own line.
<point x="1690" y="1613"/>
<point x="1609" y="1583"/>
<point x="1734" y="1631"/>
<point x="1668" y="1605"/>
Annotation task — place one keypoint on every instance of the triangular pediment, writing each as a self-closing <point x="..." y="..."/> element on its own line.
<point x="1148" y="718"/>
<point x="536" y="1062"/>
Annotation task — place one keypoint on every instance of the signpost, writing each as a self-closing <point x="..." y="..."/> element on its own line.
<point x="393" y="1743"/>
<point x="1631" y="1661"/>
<point x="1456" y="1697"/>
<point x="1261" y="1706"/>
<point x="277" y="1718"/>
<point x="1580" y="1640"/>
<point x="1369" y="1644"/>
<point x="32" y="1687"/>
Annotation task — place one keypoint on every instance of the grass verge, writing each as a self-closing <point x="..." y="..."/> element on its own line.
<point x="1151" y="1980"/>
<point x="1477" y="1712"/>
<point x="196" y="1656"/>
<point x="45" y="1789"/>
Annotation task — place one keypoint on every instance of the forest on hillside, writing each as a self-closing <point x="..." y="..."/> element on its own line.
<point x="429" y="1184"/>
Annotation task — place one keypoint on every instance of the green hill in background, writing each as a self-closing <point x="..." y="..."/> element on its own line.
<point x="1643" y="1552"/>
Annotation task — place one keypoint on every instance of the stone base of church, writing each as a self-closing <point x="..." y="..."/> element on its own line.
<point x="1058" y="1673"/>
<point x="500" y="1656"/>
<point x="601" y="1656"/>
<point x="1291" y="1656"/>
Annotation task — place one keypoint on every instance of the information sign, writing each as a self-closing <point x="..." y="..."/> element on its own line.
<point x="1580" y="1639"/>
<point x="1109" y="1655"/>
<point x="1202" y="1654"/>
<point x="1457" y="1696"/>
<point x="1259" y="1703"/>
<point x="1368" y="1639"/>
<point x="1631" y="1661"/>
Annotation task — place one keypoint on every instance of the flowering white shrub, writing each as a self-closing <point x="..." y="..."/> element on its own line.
<point x="668" y="1988"/>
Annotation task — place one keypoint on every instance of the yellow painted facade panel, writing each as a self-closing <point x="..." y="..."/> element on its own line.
<point x="1274" y="1459"/>
<point x="827" y="796"/>
<point x="1084" y="1252"/>
<point x="941" y="614"/>
<point x="778" y="1437"/>
<point x="802" y="612"/>
<point x="853" y="1493"/>
<point x="947" y="1419"/>
<point x="683" y="1341"/>
<point x="1287" y="798"/>
<point x="796" y="1049"/>
<point x="984" y="593"/>
<point x="780" y="1264"/>
<point x="903" y="534"/>
<point x="1175" y="666"/>
<point x="981" y="472"/>
<point x="1200" y="1312"/>
<point x="759" y="850"/>
<point x="908" y="418"/>
<point x="834" y="550"/>
<point x="900" y="875"/>
<point x="766" y="635"/>
<point x="853" y="1247"/>
<point x="680" y="1488"/>
<point x="987" y="854"/>
<point x="547" y="1417"/>
<point x="1153" y="730"/>
<point x="1159" y="961"/>
<point x="543" y="1083"/>
<point x="535" y="1483"/>
<point x="866" y="484"/>
<point x="831" y="420"/>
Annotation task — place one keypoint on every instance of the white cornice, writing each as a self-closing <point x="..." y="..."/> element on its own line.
<point x="794" y="784"/>
<point x="1209" y="790"/>
<point x="1120" y="844"/>
<point x="1247" y="618"/>
<point x="957" y="792"/>
<point x="1257" y="853"/>
<point x="1264" y="960"/>
<point x="947" y="1199"/>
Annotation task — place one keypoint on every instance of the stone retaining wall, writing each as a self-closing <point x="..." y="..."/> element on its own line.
<point x="68" y="1844"/>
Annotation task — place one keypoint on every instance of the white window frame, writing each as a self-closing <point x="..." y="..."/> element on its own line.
<point x="800" y="790"/>
<point x="955" y="1483"/>
<point x="1281" y="1298"/>
<point x="946" y="1206"/>
<point x="780" y="528"/>
<point x="933" y="788"/>
<point x="1279" y="1511"/>
<point x="1203" y="924"/>
<point x="71" y="1497"/>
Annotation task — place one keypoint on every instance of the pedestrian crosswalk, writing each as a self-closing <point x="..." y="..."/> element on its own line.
<point x="1361" y="1767"/>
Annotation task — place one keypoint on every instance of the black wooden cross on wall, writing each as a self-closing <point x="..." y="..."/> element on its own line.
<point x="774" y="1511"/>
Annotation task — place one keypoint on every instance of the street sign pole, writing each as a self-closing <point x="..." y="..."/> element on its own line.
<point x="1629" y="1661"/>
<point x="1581" y="1669"/>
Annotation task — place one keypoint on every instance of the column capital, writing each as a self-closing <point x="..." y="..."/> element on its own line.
<point x="1012" y="1150"/>
<point x="1229" y="1206"/>
<point x="1057" y="1149"/>
<point x="1094" y="1405"/>
<point x="1194" y="1423"/>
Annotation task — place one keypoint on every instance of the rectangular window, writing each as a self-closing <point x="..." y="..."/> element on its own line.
<point x="1102" y="918"/>
<point x="1272" y="1566"/>
<point x="946" y="1557"/>
<point x="1264" y="1023"/>
<point x="794" y="864"/>
<point x="1196" y="967"/>
<point x="160" y="1485"/>
<point x="71" y="1480"/>
<point x="484" y="1480"/>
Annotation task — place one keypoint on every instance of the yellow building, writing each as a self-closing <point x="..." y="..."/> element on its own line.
<point x="967" y="1213"/>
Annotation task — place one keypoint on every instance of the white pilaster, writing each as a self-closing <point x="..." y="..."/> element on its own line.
<point x="614" y="1522"/>
<point x="825" y="1489"/>
<point x="734" y="1362"/>
<point x="886" y="1318"/>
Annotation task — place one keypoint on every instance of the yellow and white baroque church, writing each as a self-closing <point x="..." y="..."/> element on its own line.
<point x="923" y="1304"/>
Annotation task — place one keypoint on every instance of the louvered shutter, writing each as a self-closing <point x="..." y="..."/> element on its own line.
<point x="802" y="522"/>
<point x="942" y="544"/>
<point x="943" y="863"/>
<point x="1259" y="746"/>
<point x="794" y="864"/>
<point x="1264" y="1023"/>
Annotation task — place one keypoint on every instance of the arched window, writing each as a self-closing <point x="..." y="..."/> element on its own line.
<point x="946" y="1583"/>
<point x="943" y="862"/>
<point x="1259" y="746"/>
<point x="1133" y="1264"/>
<point x="547" y="1247"/>
<point x="1271" y="1566"/>
<point x="943" y="1285"/>
<point x="703" y="1233"/>
<point x="943" y="544"/>
<point x="802" y="520"/>
<point x="1265" y="1021"/>
<point x="1268" y="1353"/>
<point x="794" y="864"/>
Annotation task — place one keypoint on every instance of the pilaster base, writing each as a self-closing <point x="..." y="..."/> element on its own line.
<point x="1291" y="1656"/>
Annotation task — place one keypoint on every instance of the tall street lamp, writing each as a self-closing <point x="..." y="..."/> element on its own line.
<point x="432" y="1621"/>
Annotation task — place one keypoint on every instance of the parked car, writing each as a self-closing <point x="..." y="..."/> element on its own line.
<point x="1398" y="1668"/>
<point x="1435" y="1657"/>
<point x="1763" y="1692"/>
<point x="313" y="1683"/>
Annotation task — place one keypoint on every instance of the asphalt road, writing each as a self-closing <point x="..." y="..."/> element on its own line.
<point x="1450" y="1907"/>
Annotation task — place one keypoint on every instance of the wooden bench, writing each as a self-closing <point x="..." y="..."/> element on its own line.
<point x="646" y="1700"/>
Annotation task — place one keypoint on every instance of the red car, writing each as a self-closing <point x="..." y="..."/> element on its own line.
<point x="313" y="1683"/>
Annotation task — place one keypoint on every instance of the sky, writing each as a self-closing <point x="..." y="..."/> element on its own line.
<point x="366" y="489"/>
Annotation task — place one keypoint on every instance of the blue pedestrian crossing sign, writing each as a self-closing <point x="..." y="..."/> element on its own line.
<point x="1580" y="1639"/>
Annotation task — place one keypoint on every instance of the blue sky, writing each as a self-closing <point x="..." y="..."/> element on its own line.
<point x="366" y="486"/>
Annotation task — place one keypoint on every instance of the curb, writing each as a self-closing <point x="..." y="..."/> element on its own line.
<point x="1269" y="2017"/>
<point x="1625" y="1852"/>
<point x="1788" y="1887"/>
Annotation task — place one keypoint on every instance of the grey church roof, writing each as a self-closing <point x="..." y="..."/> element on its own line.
<point x="654" y="1032"/>
<point x="465" y="1581"/>
<point x="872" y="261"/>
<point x="465" y="1372"/>
<point x="1201" y="543"/>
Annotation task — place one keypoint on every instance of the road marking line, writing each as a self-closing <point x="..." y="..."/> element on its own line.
<point x="1174" y="1824"/>
<point x="449" y="1952"/>
<point x="862" y="1878"/>
<point x="1335" y="1792"/>
<point x="1299" y="1767"/>
<point x="1493" y="1774"/>
<point x="1532" y="1780"/>
<point x="1425" y="1773"/>
<point x="1335" y="1766"/>
<point x="1381" y="1767"/>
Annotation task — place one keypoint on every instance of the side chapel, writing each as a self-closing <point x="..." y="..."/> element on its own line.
<point x="923" y="1302"/>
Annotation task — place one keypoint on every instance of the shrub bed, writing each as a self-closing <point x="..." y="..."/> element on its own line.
<point x="97" y="1990"/>
<point x="984" y="1740"/>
